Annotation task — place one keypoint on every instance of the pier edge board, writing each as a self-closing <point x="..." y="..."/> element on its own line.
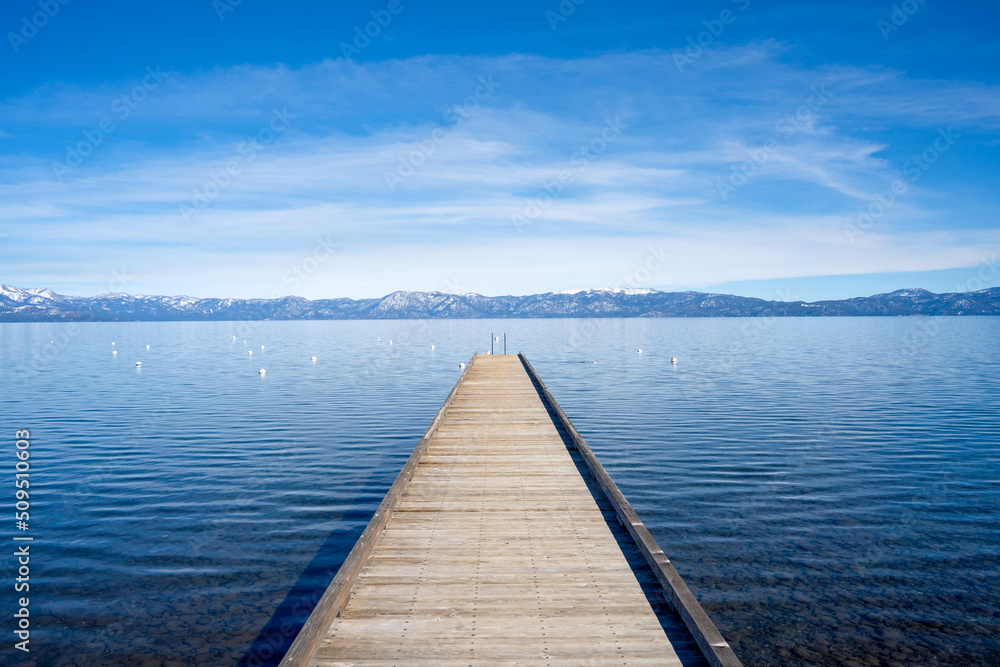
<point x="713" y="645"/>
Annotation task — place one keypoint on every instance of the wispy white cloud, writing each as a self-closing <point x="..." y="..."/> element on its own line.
<point x="483" y="160"/>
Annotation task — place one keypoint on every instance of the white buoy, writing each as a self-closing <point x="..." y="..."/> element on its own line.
<point x="52" y="341"/>
<point x="314" y="358"/>
<point x="234" y="337"/>
<point x="112" y="343"/>
<point x="378" y="338"/>
<point x="673" y="360"/>
<point x="250" y="352"/>
<point x="390" y="341"/>
<point x="461" y="365"/>
<point x="114" y="351"/>
<point x="261" y="372"/>
<point x="138" y="363"/>
<point x="432" y="347"/>
<point x="244" y="342"/>
<point x="496" y="339"/>
<point x="639" y="350"/>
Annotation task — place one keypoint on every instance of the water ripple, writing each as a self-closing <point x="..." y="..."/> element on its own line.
<point x="830" y="496"/>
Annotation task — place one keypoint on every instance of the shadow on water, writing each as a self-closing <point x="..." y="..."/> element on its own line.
<point x="683" y="643"/>
<point x="277" y="635"/>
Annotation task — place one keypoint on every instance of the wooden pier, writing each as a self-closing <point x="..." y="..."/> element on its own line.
<point x="504" y="542"/>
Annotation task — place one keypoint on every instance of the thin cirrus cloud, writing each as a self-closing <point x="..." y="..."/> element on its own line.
<point x="414" y="176"/>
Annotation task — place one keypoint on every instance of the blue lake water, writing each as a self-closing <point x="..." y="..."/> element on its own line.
<point x="829" y="488"/>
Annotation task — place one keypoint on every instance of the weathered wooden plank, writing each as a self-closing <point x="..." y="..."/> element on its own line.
<point x="492" y="549"/>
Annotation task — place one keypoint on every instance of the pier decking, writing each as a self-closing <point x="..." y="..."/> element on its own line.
<point x="504" y="542"/>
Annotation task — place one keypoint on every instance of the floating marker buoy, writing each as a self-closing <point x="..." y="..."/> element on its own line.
<point x="147" y="347"/>
<point x="250" y="352"/>
<point x="432" y="347"/>
<point x="244" y="342"/>
<point x="314" y="358"/>
<point x="138" y="363"/>
<point x="390" y="341"/>
<point x="112" y="343"/>
<point x="378" y="338"/>
<point x="261" y="372"/>
<point x="262" y="347"/>
<point x="639" y="350"/>
<point x="234" y="337"/>
<point x="461" y="365"/>
<point x="114" y="351"/>
<point x="52" y="341"/>
<point x="673" y="360"/>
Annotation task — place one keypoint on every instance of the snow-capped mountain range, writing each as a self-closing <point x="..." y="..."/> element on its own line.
<point x="43" y="305"/>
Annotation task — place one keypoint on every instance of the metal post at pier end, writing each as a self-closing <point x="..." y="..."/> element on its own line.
<point x="491" y="342"/>
<point x="505" y="342"/>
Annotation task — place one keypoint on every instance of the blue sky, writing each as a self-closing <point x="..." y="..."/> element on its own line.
<point x="256" y="149"/>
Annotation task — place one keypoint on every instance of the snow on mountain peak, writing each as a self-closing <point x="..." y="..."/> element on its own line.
<point x="611" y="290"/>
<point x="18" y="294"/>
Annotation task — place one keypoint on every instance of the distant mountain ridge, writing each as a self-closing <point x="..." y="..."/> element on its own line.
<point x="42" y="305"/>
